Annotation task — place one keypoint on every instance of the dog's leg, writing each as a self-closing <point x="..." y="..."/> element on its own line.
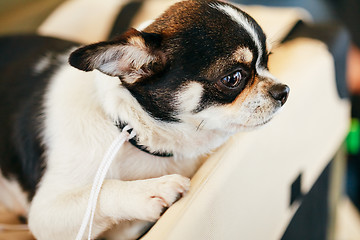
<point x="60" y="216"/>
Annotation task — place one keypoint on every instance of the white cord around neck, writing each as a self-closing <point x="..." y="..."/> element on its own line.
<point x="13" y="227"/>
<point x="99" y="179"/>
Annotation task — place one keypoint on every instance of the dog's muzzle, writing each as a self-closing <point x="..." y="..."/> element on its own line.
<point x="279" y="92"/>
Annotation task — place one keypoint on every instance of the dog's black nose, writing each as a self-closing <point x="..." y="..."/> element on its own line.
<point x="280" y="92"/>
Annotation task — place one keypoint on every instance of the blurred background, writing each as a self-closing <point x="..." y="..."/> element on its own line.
<point x="24" y="15"/>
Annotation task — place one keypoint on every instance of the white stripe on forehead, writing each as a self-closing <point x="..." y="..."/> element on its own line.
<point x="239" y="17"/>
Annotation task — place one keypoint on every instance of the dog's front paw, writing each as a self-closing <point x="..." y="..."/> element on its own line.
<point x="161" y="193"/>
<point x="170" y="188"/>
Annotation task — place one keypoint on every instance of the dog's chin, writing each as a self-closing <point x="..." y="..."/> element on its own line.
<point x="248" y="127"/>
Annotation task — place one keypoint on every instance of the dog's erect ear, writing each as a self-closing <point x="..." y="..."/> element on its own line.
<point x="132" y="55"/>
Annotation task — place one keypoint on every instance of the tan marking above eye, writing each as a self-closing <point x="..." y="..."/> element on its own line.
<point x="137" y="41"/>
<point x="244" y="55"/>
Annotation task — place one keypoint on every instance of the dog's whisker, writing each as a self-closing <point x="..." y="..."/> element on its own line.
<point x="198" y="127"/>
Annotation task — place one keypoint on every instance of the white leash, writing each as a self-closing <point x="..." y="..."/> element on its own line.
<point x="99" y="179"/>
<point x="13" y="227"/>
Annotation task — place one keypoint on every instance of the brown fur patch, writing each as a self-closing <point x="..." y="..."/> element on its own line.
<point x="243" y="95"/>
<point x="177" y="17"/>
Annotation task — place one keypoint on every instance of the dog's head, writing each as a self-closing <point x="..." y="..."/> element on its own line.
<point x="202" y="64"/>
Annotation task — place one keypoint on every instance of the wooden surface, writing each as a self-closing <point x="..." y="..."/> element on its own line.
<point x="19" y="16"/>
<point x="12" y="220"/>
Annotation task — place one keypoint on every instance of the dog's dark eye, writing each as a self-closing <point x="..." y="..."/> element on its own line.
<point x="233" y="80"/>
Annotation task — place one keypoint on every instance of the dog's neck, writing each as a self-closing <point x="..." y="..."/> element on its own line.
<point x="178" y="139"/>
<point x="143" y="148"/>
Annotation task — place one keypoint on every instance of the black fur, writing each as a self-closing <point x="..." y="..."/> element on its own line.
<point x="21" y="96"/>
<point x="156" y="94"/>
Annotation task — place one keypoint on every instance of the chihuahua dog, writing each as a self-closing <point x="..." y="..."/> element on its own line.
<point x="185" y="83"/>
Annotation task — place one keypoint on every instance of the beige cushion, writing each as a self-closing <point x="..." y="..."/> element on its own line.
<point x="243" y="190"/>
